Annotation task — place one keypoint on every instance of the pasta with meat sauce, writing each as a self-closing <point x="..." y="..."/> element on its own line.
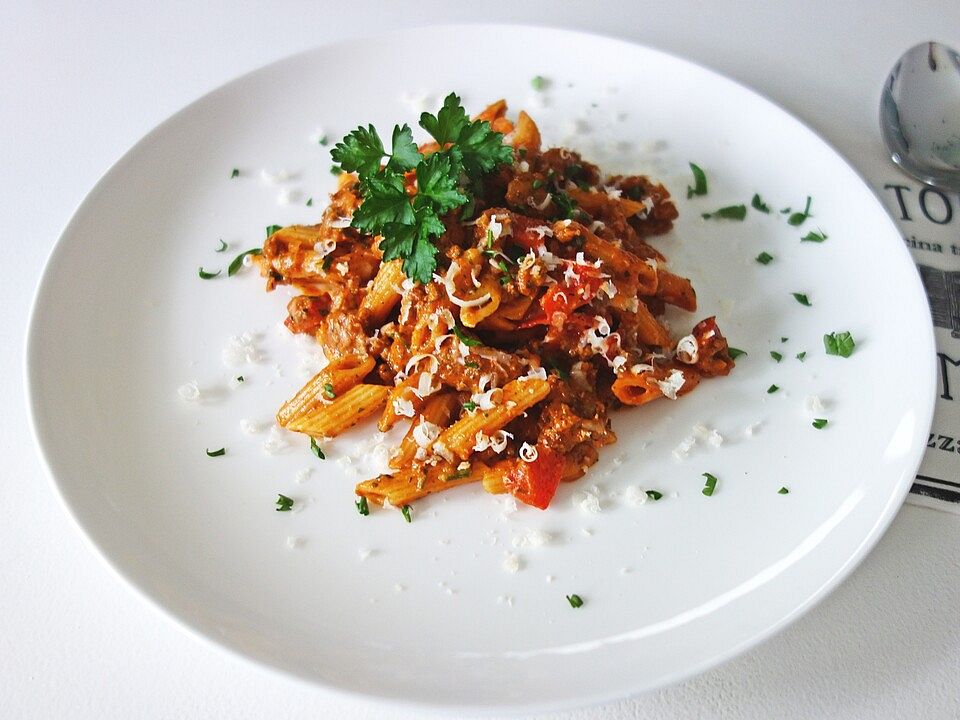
<point x="544" y="313"/>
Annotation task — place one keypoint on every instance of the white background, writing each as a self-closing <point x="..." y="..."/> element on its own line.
<point x="79" y="83"/>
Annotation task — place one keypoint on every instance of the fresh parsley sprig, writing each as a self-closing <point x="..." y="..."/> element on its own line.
<point x="408" y="223"/>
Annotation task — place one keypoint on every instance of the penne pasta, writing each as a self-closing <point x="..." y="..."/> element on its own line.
<point x="334" y="380"/>
<point x="383" y="296"/>
<point x="343" y="412"/>
<point x="460" y="438"/>
<point x="437" y="411"/>
<point x="405" y="486"/>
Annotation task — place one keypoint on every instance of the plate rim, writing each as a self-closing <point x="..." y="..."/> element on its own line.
<point x="373" y="698"/>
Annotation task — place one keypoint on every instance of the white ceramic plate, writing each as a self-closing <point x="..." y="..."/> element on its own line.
<point x="671" y="588"/>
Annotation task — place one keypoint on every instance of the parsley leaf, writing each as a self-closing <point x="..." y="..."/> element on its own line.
<point x="802" y="299"/>
<point x="406" y="513"/>
<point x="237" y="262"/>
<point x="783" y="491"/>
<point x="699" y="182"/>
<point x="315" y="449"/>
<point x="235" y="173"/>
<point x="482" y="148"/>
<point x="284" y="503"/>
<point x="820" y="423"/>
<point x="223" y="246"/>
<point x="216" y="453"/>
<point x="361" y="151"/>
<point x="362" y="507"/>
<point x="654" y="494"/>
<point x="538" y="82"/>
<point x="764" y="258"/>
<point x="758" y="204"/>
<point x="566" y="205"/>
<point x="772" y="389"/>
<point x="731" y="212"/>
<point x="801" y="355"/>
<point x="385" y="201"/>
<point x="204" y="275"/>
<point x="445" y="126"/>
<point x="574" y="601"/>
<point x="404" y="155"/>
<point x="839" y="343"/>
<point x="734" y="353"/>
<point x="437" y="182"/>
<point x="776" y="356"/>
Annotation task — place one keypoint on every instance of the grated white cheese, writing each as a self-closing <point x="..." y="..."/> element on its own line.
<point x="752" y="428"/>
<point x="416" y="102"/>
<point x="404" y="407"/>
<point x="511" y="563"/>
<point x="635" y="495"/>
<point x="815" y="404"/>
<point x="683" y="449"/>
<point x="505" y="600"/>
<point x="672" y="384"/>
<point x="294" y="542"/>
<point x="538" y="373"/>
<point x="302" y="475"/>
<point x="398" y="587"/>
<point x="189" y="391"/>
<point x="688" y="351"/>
<point x="530" y="537"/>
<point x="325" y="247"/>
<point x="487" y="400"/>
<point x="283" y="198"/>
<point x="425" y="433"/>
<point x="276" y="178"/>
<point x="241" y="349"/>
<point x="249" y="426"/>
<point x="528" y="453"/>
<point x="364" y="553"/>
<point x="587" y="501"/>
<point x="276" y="442"/>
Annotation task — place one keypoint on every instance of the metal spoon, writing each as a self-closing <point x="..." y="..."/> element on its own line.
<point x="920" y="114"/>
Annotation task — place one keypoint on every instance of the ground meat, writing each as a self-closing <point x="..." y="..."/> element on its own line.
<point x="305" y="313"/>
<point x="341" y="334"/>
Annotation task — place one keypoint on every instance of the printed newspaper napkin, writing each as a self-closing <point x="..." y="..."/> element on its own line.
<point x="929" y="220"/>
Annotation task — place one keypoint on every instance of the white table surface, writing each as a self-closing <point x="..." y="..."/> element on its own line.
<point x="80" y="83"/>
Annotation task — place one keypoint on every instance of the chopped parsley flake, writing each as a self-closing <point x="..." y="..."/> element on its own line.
<point x="802" y="299"/>
<point x="237" y="262"/>
<point x="469" y="406"/>
<point x="783" y="491"/>
<point x="776" y="356"/>
<point x="315" y="449"/>
<point x="839" y="343"/>
<point x="538" y="83"/>
<point x="758" y="204"/>
<point x="406" y="513"/>
<point x="235" y="173"/>
<point x="734" y="353"/>
<point x="801" y="355"/>
<point x="764" y="258"/>
<point x="654" y="494"/>
<point x="362" y="507"/>
<point x="284" y="503"/>
<point x="566" y="205"/>
<point x="310" y="202"/>
<point x="710" y="485"/>
<point x="204" y="275"/>
<point x="328" y="391"/>
<point x="216" y="453"/>
<point x="798" y="218"/>
<point x="239" y="378"/>
<point x="772" y="389"/>
<point x="699" y="182"/>
<point x="334" y="170"/>
<point x="471" y="364"/>
<point x="820" y="423"/>
<point x="462" y="336"/>
<point x="574" y="601"/>
<point x="731" y="212"/>
<point x="323" y="140"/>
<point x="223" y="246"/>
<point x="817" y="235"/>
<point x="784" y="339"/>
